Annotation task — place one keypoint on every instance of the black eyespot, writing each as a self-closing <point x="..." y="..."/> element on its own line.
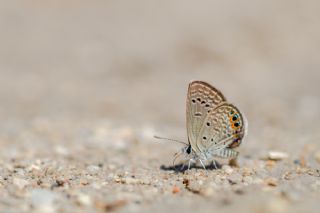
<point x="231" y="112"/>
<point x="204" y="138"/>
<point x="209" y="111"/>
<point x="208" y="124"/>
<point x="211" y="139"/>
<point x="207" y="105"/>
<point x="198" y="114"/>
<point x="237" y="124"/>
<point x="236" y="140"/>
<point x="193" y="101"/>
<point x="203" y="102"/>
<point x="235" y="117"/>
<point x="198" y="99"/>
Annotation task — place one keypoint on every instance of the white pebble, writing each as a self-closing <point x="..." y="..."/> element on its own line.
<point x="84" y="199"/>
<point x="277" y="155"/>
<point x="20" y="183"/>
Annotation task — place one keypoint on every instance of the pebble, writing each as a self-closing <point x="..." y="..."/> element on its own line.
<point x="270" y="163"/>
<point x="277" y="155"/>
<point x="93" y="169"/>
<point x="84" y="199"/>
<point x="130" y="180"/>
<point x="247" y="180"/>
<point x="207" y="191"/>
<point x="227" y="169"/>
<point x="247" y="171"/>
<point x="271" y="181"/>
<point x="175" y="190"/>
<point x="235" y="178"/>
<point x="20" y="183"/>
<point x="33" y="167"/>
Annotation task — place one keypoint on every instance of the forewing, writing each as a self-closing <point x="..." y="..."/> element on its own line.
<point x="202" y="98"/>
<point x="224" y="127"/>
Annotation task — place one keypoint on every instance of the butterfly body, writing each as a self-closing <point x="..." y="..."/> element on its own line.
<point x="215" y="127"/>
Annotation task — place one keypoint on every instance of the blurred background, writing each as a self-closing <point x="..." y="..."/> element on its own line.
<point x="130" y="61"/>
<point x="80" y="79"/>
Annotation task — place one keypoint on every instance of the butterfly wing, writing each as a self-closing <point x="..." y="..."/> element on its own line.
<point x="223" y="128"/>
<point x="201" y="100"/>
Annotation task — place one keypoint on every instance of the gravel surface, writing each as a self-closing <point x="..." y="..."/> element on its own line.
<point x="84" y="87"/>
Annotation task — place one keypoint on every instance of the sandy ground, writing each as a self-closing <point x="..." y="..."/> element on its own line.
<point x="84" y="86"/>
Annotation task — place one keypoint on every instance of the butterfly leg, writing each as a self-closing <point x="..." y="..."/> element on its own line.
<point x="189" y="164"/>
<point x="214" y="164"/>
<point x="202" y="164"/>
<point x="182" y="167"/>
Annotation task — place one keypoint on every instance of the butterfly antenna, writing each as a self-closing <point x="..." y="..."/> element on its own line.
<point x="169" y="139"/>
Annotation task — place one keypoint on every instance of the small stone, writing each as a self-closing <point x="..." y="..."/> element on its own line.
<point x="234" y="178"/>
<point x="114" y="205"/>
<point x="270" y="163"/>
<point x="277" y="155"/>
<point x="247" y="171"/>
<point x="302" y="161"/>
<point x="207" y="192"/>
<point x="227" y="169"/>
<point x="247" y="180"/>
<point x="93" y="169"/>
<point x="84" y="181"/>
<point x="271" y="181"/>
<point x="33" y="167"/>
<point x="84" y="199"/>
<point x="58" y="183"/>
<point x="175" y="190"/>
<point x="131" y="180"/>
<point x="20" y="183"/>
<point x="145" y="181"/>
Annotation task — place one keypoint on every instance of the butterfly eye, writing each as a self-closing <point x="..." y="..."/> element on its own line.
<point x="188" y="150"/>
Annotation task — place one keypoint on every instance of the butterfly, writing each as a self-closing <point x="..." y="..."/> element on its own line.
<point x="214" y="126"/>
